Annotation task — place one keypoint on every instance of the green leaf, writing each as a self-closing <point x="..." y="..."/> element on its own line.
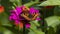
<point x="50" y="3"/>
<point x="40" y="32"/>
<point x="36" y="0"/>
<point x="12" y="29"/>
<point x="33" y="29"/>
<point x="18" y="2"/>
<point x="30" y="3"/>
<point x="50" y="31"/>
<point x="31" y="32"/>
<point x="53" y="0"/>
<point x="7" y="32"/>
<point x="11" y="0"/>
<point x="36" y="32"/>
<point x="57" y="11"/>
<point x="33" y="26"/>
<point x="53" y="21"/>
<point x="36" y="22"/>
<point x="4" y="19"/>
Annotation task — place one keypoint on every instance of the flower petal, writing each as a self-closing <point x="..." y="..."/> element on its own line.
<point x="27" y="25"/>
<point x="33" y="10"/>
<point x="38" y="19"/>
<point x="18" y="10"/>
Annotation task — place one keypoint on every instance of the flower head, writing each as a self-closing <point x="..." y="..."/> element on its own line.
<point x="18" y="19"/>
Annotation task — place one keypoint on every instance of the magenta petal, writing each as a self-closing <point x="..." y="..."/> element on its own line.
<point x="18" y="10"/>
<point x="38" y="19"/>
<point x="27" y="25"/>
<point x="37" y="11"/>
<point x="17" y="22"/>
<point x="12" y="11"/>
<point x="33" y="10"/>
<point x="14" y="17"/>
<point x="10" y="18"/>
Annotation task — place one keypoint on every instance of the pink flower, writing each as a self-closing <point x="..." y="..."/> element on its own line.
<point x="17" y="18"/>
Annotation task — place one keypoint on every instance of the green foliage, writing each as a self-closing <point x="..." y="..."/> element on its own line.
<point x="52" y="22"/>
<point x="4" y="18"/>
<point x="34" y="29"/>
<point x="30" y="4"/>
<point x="57" y="11"/>
<point x="50" y="3"/>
